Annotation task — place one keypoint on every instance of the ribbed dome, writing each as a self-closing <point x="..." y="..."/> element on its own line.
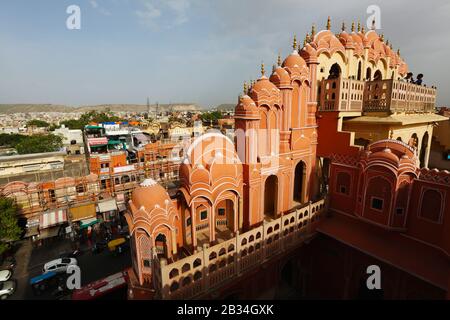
<point x="294" y="60"/>
<point x="150" y="194"/>
<point x="262" y="84"/>
<point x="280" y="77"/>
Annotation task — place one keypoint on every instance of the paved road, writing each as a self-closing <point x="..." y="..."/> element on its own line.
<point x="93" y="266"/>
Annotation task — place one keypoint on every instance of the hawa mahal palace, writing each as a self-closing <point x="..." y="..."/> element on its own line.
<point x="327" y="174"/>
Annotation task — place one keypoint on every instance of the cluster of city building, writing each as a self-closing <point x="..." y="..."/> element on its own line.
<point x="325" y="167"/>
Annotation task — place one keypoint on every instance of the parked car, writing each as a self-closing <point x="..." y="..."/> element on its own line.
<point x="8" y="263"/>
<point x="5" y="275"/>
<point x="59" y="265"/>
<point x="7" y="288"/>
<point x="45" y="282"/>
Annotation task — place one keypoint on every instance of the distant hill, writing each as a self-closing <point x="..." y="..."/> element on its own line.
<point x="226" y="107"/>
<point x="16" y="108"/>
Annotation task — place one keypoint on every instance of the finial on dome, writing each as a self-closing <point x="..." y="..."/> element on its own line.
<point x="373" y="24"/>
<point x="359" y="26"/>
<point x="382" y="37"/>
<point x="353" y="26"/>
<point x="307" y="38"/>
<point x="294" y="43"/>
<point x="279" y="60"/>
<point x="343" y="26"/>
<point x="263" y="71"/>
<point x="245" y="87"/>
<point x="313" y="31"/>
<point x="363" y="30"/>
<point x="398" y="52"/>
<point x="304" y="42"/>
<point x="387" y="42"/>
<point x="329" y="23"/>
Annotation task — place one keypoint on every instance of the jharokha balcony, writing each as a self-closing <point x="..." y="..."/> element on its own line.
<point x="388" y="96"/>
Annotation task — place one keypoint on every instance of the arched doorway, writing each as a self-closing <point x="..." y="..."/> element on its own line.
<point x="359" y="71"/>
<point x="161" y="245"/>
<point x="414" y="141"/>
<point x="368" y="74"/>
<point x="270" y="197"/>
<point x="377" y="76"/>
<point x="224" y="219"/>
<point x="299" y="180"/>
<point x="335" y="71"/>
<point x="423" y="150"/>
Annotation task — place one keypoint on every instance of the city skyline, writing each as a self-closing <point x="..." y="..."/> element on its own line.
<point x="184" y="50"/>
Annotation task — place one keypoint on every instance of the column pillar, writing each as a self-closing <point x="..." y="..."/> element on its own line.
<point x="174" y="242"/>
<point x="193" y="231"/>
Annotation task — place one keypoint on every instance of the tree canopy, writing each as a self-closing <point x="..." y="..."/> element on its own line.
<point x="31" y="144"/>
<point x="9" y="229"/>
<point x="91" y="116"/>
<point x="38" y="123"/>
<point x="211" y="116"/>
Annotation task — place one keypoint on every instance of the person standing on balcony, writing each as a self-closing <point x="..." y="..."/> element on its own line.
<point x="419" y="79"/>
<point x="409" y="77"/>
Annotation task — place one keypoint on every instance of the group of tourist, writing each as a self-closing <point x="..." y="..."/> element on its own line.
<point x="410" y="78"/>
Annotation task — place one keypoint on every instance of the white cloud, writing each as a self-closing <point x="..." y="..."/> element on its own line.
<point x="163" y="13"/>
<point x="94" y="4"/>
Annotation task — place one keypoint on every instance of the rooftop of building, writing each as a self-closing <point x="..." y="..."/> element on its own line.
<point x="390" y="247"/>
<point x="399" y="119"/>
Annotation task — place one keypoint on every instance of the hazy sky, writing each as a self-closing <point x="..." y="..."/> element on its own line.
<point x="197" y="51"/>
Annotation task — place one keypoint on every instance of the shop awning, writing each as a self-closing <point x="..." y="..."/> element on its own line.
<point x="83" y="212"/>
<point x="32" y="231"/>
<point x="97" y="141"/>
<point x="88" y="222"/>
<point x="52" y="218"/>
<point x="106" y="206"/>
<point x="114" y="142"/>
<point x="49" y="233"/>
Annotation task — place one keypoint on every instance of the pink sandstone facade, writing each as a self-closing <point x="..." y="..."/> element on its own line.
<point x="293" y="186"/>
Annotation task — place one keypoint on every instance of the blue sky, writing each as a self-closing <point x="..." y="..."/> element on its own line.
<point x="196" y="51"/>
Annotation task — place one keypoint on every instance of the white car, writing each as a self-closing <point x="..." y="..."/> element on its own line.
<point x="5" y="275"/>
<point x="59" y="265"/>
<point x="7" y="288"/>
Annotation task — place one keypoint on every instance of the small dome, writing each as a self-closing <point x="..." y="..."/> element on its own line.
<point x="294" y="60"/>
<point x="263" y="84"/>
<point x="246" y="108"/>
<point x="149" y="195"/>
<point x="346" y="40"/>
<point x="308" y="53"/>
<point x="280" y="77"/>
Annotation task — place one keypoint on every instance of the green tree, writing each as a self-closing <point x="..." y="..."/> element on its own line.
<point x="9" y="229"/>
<point x="11" y="140"/>
<point x="38" y="123"/>
<point x="91" y="116"/>
<point x="39" y="143"/>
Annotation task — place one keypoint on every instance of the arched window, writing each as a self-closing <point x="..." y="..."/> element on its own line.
<point x="335" y="71"/>
<point x="368" y="74"/>
<point x="359" y="71"/>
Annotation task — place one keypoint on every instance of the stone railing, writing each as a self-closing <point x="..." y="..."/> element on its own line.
<point x="210" y="268"/>
<point x="341" y="95"/>
<point x="397" y="96"/>
<point x="375" y="96"/>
